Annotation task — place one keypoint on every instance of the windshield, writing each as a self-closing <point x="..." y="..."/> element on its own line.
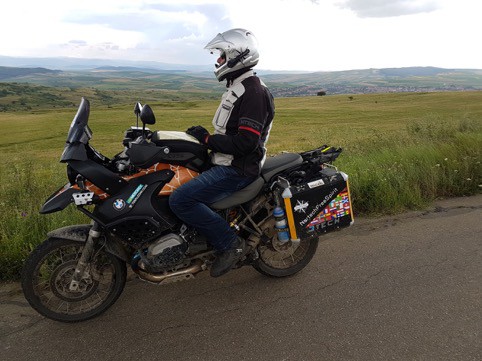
<point x="79" y="130"/>
<point x="79" y="135"/>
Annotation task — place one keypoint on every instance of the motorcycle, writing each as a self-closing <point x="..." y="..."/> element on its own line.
<point x="79" y="271"/>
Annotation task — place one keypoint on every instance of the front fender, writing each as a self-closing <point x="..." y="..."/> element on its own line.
<point x="80" y="232"/>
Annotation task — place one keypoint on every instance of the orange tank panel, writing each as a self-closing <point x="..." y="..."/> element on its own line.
<point x="182" y="175"/>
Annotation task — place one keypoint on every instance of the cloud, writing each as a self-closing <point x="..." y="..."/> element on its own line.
<point x="293" y="34"/>
<point x="171" y="32"/>
<point x="158" y="21"/>
<point x="388" y="8"/>
<point x="77" y="43"/>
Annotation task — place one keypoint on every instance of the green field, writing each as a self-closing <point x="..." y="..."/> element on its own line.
<point x="401" y="151"/>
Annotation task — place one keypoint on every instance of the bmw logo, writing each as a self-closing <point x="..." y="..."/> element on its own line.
<point x="119" y="204"/>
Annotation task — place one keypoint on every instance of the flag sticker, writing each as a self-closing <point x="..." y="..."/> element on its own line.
<point x="338" y="207"/>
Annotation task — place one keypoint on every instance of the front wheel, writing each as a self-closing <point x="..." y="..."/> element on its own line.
<point x="47" y="274"/>
<point x="282" y="260"/>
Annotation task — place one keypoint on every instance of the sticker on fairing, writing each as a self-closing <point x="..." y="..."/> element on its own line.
<point x="119" y="204"/>
<point x="316" y="183"/>
<point x="134" y="197"/>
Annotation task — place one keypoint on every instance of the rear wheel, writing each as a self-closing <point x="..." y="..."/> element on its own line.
<point x="282" y="260"/>
<point x="47" y="274"/>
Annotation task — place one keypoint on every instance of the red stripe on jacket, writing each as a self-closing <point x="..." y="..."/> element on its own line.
<point x="250" y="130"/>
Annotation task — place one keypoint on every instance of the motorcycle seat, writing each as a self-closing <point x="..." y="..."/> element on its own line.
<point x="278" y="163"/>
<point x="272" y="166"/>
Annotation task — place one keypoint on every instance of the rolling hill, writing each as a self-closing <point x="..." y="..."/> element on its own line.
<point x="12" y="72"/>
<point x="38" y="86"/>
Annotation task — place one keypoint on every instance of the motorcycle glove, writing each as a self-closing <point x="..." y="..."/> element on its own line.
<point x="199" y="132"/>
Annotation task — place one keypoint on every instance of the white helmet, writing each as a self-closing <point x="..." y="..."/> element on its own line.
<point x="240" y="48"/>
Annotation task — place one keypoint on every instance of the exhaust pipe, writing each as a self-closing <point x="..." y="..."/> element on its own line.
<point x="169" y="277"/>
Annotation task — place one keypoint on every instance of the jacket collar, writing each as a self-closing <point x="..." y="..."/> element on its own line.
<point x="240" y="78"/>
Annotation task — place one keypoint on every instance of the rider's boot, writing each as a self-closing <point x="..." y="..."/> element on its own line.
<point x="226" y="260"/>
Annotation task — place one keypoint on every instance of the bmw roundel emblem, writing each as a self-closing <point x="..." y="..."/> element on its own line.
<point x="119" y="204"/>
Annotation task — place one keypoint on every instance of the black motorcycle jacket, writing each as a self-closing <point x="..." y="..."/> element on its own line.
<point x="241" y="125"/>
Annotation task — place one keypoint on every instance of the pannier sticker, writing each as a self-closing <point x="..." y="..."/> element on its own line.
<point x="316" y="183"/>
<point x="319" y="207"/>
<point x="337" y="208"/>
<point x="301" y="206"/>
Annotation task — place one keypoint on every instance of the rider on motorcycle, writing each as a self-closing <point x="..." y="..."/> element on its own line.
<point x="241" y="128"/>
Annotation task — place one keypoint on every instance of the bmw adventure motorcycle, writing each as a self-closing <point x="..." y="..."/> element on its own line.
<point x="79" y="271"/>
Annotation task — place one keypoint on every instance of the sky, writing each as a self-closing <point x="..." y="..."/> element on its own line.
<point x="322" y="35"/>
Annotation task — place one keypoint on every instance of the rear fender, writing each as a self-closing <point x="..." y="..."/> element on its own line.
<point x="80" y="232"/>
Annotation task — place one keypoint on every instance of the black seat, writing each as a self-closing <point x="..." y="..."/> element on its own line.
<point x="278" y="163"/>
<point x="272" y="166"/>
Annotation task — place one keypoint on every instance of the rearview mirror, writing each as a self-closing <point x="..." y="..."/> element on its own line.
<point x="137" y="109"/>
<point x="147" y="115"/>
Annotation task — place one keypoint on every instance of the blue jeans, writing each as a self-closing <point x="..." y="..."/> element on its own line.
<point x="191" y="201"/>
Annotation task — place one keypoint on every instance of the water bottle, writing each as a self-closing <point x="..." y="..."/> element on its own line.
<point x="280" y="225"/>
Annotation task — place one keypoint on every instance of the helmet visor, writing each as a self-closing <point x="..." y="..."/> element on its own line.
<point x="221" y="56"/>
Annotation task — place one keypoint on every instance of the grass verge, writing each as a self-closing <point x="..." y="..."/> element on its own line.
<point x="402" y="151"/>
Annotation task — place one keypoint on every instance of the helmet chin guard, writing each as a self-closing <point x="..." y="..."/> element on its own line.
<point x="240" y="48"/>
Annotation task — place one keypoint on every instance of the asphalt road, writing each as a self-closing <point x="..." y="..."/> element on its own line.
<point x="407" y="287"/>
